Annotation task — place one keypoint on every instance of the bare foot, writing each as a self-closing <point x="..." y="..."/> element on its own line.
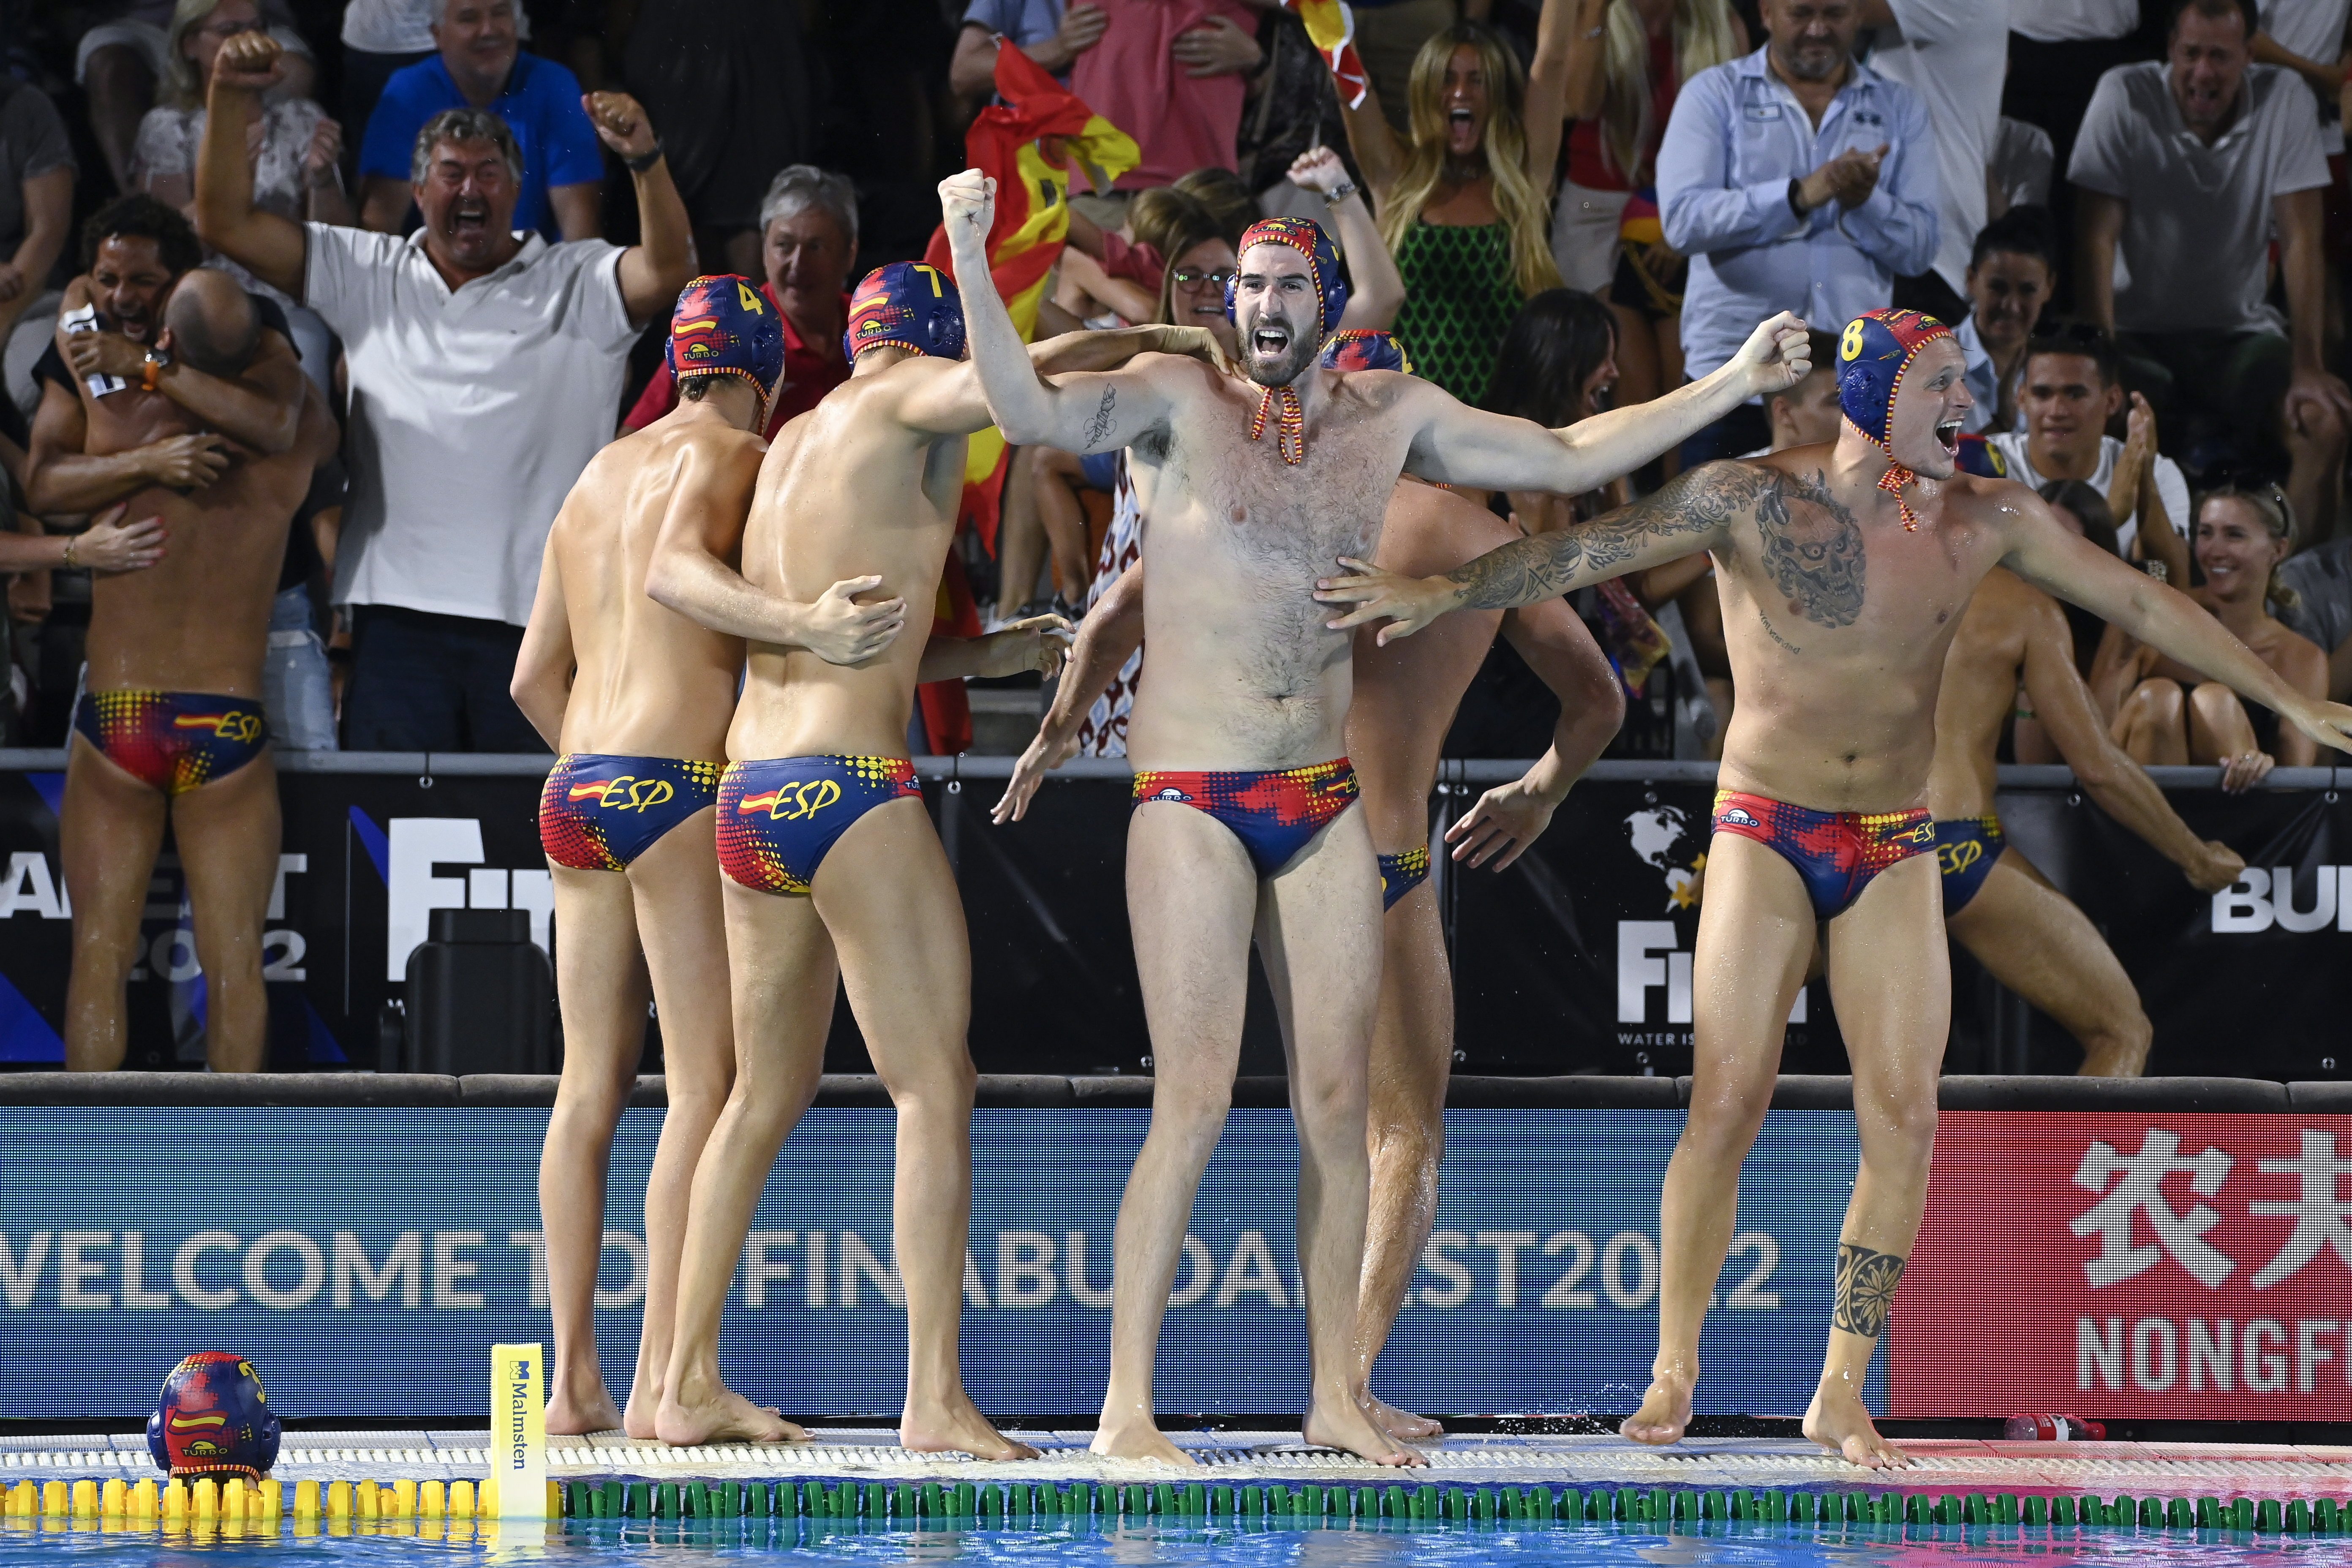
<point x="1137" y="1442"/>
<point x="570" y="1416"/>
<point x="725" y="1417"/>
<point x="1664" y="1415"/>
<point x="1350" y="1426"/>
<point x="1839" y="1422"/>
<point x="1402" y="1425"/>
<point x="958" y="1428"/>
<point x="637" y="1420"/>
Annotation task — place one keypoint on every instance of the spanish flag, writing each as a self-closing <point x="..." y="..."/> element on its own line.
<point x="1332" y="27"/>
<point x="1028" y="143"/>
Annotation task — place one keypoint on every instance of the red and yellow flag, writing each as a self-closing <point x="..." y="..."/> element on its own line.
<point x="1029" y="144"/>
<point x="1332" y="27"/>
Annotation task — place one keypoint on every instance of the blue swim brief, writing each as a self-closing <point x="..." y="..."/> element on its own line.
<point x="1966" y="848"/>
<point x="779" y="819"/>
<point x="598" y="813"/>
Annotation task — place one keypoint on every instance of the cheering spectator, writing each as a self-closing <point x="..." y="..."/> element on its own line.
<point x="1626" y="63"/>
<point x="122" y="59"/>
<point x="293" y="146"/>
<point x="1172" y="74"/>
<point x="2058" y="49"/>
<point x="1462" y="206"/>
<point x="1047" y="31"/>
<point x="2068" y="392"/>
<point x="2163" y="713"/>
<point x="1952" y="54"/>
<point x="2012" y="267"/>
<point x="2182" y="168"/>
<point x="467" y="425"/>
<point x="36" y="182"/>
<point x="1795" y="179"/>
<point x="808" y="247"/>
<point x="481" y="66"/>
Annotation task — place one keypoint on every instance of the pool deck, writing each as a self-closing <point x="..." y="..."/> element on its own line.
<point x="868" y="1454"/>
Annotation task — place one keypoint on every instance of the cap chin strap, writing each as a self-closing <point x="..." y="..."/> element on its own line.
<point x="1282" y="404"/>
<point x="1892" y="482"/>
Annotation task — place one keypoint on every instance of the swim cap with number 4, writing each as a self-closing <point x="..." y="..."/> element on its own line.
<point x="905" y="305"/>
<point x="724" y="326"/>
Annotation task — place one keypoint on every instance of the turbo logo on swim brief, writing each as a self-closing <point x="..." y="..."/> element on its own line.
<point x="1735" y="817"/>
<point x="639" y="794"/>
<point x="805" y="798"/>
<point x="228" y="726"/>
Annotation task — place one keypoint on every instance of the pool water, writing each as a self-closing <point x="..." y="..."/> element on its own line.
<point x="1075" y="1543"/>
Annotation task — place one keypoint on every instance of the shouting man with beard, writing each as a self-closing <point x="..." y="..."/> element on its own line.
<point x="1241" y="828"/>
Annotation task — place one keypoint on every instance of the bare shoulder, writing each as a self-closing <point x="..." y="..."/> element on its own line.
<point x="1430" y="528"/>
<point x="2303" y="662"/>
<point x="1378" y="390"/>
<point x="1997" y="503"/>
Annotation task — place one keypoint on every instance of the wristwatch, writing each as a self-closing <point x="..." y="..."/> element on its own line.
<point x="152" y="366"/>
<point x="1338" y="194"/>
<point x="644" y="160"/>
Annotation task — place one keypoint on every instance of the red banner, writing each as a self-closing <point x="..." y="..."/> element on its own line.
<point x="2188" y="1266"/>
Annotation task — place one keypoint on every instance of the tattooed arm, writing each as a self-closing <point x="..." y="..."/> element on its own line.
<point x="1693" y="511"/>
<point x="950" y="402"/>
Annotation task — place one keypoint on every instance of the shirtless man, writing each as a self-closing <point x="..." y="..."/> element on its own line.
<point x="833" y="868"/>
<point x="1405" y="699"/>
<point x="171" y="724"/>
<point x="1846" y="570"/>
<point x="1242" y="824"/>
<point x="1996" y="902"/>
<point x="636" y="699"/>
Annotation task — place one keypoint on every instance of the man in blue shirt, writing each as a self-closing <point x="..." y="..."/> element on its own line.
<point x="481" y="66"/>
<point x="1795" y="179"/>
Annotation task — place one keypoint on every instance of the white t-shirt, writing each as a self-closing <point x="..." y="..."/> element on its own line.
<point x="2196" y="243"/>
<point x="2170" y="485"/>
<point x="472" y="413"/>
<point x="390" y="27"/>
<point x="2314" y="29"/>
<point x="1954" y="54"/>
<point x="2065" y="21"/>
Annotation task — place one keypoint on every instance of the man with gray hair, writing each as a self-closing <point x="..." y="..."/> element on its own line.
<point x="808" y="247"/>
<point x="481" y="65"/>
<point x="485" y="366"/>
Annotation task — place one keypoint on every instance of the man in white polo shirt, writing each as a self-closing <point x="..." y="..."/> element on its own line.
<point x="486" y="370"/>
<point x="2182" y="169"/>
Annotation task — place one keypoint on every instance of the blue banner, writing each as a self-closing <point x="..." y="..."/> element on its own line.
<point x="367" y="1259"/>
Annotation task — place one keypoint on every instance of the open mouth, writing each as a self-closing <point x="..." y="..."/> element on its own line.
<point x="1271" y="341"/>
<point x="1460" y="119"/>
<point x="469" y="217"/>
<point x="1947" y="435"/>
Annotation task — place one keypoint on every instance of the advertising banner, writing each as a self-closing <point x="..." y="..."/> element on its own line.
<point x="2185" y="1268"/>
<point x="1579" y="958"/>
<point x="366" y="1281"/>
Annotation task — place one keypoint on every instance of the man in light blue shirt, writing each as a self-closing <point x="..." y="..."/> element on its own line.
<point x="1795" y="179"/>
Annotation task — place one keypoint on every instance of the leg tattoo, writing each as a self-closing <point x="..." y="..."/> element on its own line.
<point x="1865" y="1289"/>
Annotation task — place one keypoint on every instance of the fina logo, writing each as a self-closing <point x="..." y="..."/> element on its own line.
<point x="415" y="845"/>
<point x="2262" y="899"/>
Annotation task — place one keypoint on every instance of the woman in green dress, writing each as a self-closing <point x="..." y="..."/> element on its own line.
<point x="1465" y="207"/>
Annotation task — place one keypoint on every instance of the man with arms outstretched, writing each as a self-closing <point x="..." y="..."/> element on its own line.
<point x="1997" y="904"/>
<point x="1240" y="825"/>
<point x="1846" y="570"/>
<point x="1405" y="698"/>
<point x="833" y="868"/>
<point x="171" y="725"/>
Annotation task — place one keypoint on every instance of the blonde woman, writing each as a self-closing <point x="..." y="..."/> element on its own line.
<point x="2162" y="713"/>
<point x="1465" y="207"/>
<point x="1626" y="62"/>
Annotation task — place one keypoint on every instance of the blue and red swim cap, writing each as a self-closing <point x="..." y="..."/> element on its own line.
<point x="723" y="326"/>
<point x="1873" y="356"/>
<point x="1366" y="348"/>
<point x="214" y="1419"/>
<point x="905" y="305"/>
<point x="1309" y="240"/>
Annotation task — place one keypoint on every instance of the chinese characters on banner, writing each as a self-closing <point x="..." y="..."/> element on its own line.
<point x="2179" y="1266"/>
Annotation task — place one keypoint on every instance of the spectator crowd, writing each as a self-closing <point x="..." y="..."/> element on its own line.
<point x="468" y="220"/>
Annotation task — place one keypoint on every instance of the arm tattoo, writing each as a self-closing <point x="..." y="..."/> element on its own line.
<point x="1098" y="422"/>
<point x="1814" y="554"/>
<point x="1865" y="1289"/>
<point x="1548" y="565"/>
